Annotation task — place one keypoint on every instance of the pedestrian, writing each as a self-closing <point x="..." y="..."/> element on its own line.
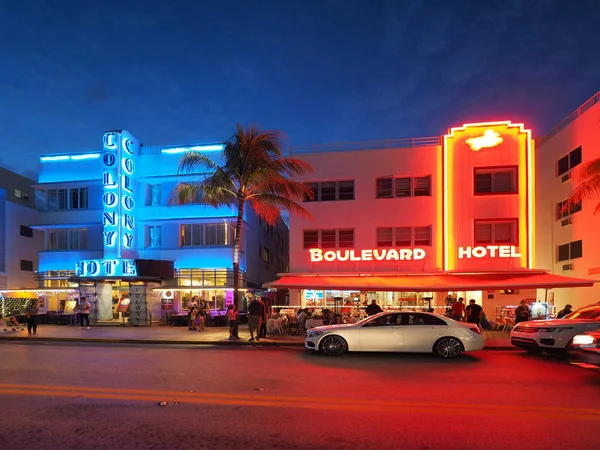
<point x="262" y="332"/>
<point x="192" y="304"/>
<point x="564" y="312"/>
<point x="458" y="309"/>
<point x="33" y="316"/>
<point x="474" y="313"/>
<point x="302" y="318"/>
<point x="373" y="308"/>
<point x="255" y="315"/>
<point x="232" y="319"/>
<point x="84" y="312"/>
<point x="522" y="313"/>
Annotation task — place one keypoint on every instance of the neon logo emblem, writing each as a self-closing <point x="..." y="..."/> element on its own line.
<point x="489" y="139"/>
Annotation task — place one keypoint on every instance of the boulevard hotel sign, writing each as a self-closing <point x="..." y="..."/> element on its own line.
<point x="118" y="217"/>
<point x="410" y="254"/>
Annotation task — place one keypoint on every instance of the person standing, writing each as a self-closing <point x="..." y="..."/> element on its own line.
<point x="474" y="313"/>
<point x="262" y="331"/>
<point x="255" y="315"/>
<point x="232" y="318"/>
<point x="33" y="316"/>
<point x="192" y="304"/>
<point x="84" y="312"/>
<point x="458" y="309"/>
<point x="373" y="308"/>
<point x="564" y="312"/>
<point x="522" y="313"/>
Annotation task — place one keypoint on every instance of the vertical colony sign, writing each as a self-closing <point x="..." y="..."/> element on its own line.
<point x="118" y="216"/>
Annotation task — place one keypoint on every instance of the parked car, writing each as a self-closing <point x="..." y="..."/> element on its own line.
<point x="588" y="345"/>
<point x="417" y="332"/>
<point x="555" y="335"/>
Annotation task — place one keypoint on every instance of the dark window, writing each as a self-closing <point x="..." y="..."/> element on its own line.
<point x="496" y="181"/>
<point x="311" y="238"/>
<point x="422" y="186"/>
<point x="346" y="238"/>
<point x="328" y="238"/>
<point x="26" y="231"/>
<point x="384" y="187"/>
<point x="346" y="190"/>
<point x="422" y="236"/>
<point x="572" y="250"/>
<point x="563" y="165"/>
<point x="403" y="236"/>
<point x="314" y="187"/>
<point x="27" y="265"/>
<point x="385" y="237"/>
<point x="403" y="187"/>
<point x="563" y="211"/>
<point x="327" y="191"/>
<point x="424" y="319"/>
<point x="501" y="232"/>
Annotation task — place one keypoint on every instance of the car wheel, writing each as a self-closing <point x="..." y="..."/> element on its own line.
<point x="448" y="347"/>
<point x="333" y="346"/>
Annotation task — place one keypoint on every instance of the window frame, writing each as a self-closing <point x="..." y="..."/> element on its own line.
<point x="413" y="190"/>
<point x="200" y="235"/>
<point x="394" y="236"/>
<point x="338" y="241"/>
<point x="569" y="157"/>
<point x="25" y="231"/>
<point x="493" y="170"/>
<point x="317" y="189"/>
<point x="82" y="239"/>
<point x="27" y="265"/>
<point x="515" y="229"/>
<point x="574" y="208"/>
<point x="569" y="246"/>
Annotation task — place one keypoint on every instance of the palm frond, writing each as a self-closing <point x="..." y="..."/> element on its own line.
<point x="588" y="185"/>
<point x="184" y="193"/>
<point x="263" y="204"/>
<point x="196" y="162"/>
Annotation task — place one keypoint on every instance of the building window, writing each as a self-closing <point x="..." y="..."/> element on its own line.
<point x="562" y="210"/>
<point x="207" y="235"/>
<point x="501" y="180"/>
<point x="572" y="250"/>
<point x="266" y="254"/>
<point x="27" y="265"/>
<point x="324" y="191"/>
<point x="391" y="187"/>
<point x="496" y="232"/>
<point x="67" y="239"/>
<point x="154" y="236"/>
<point x="18" y="193"/>
<point x="404" y="236"/>
<point x="153" y="195"/>
<point x="329" y="238"/>
<point x="63" y="199"/>
<point x="569" y="161"/>
<point x="26" y="231"/>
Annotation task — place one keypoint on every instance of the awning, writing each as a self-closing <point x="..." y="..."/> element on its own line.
<point x="430" y="282"/>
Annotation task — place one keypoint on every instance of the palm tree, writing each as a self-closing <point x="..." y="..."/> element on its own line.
<point x="254" y="171"/>
<point x="587" y="185"/>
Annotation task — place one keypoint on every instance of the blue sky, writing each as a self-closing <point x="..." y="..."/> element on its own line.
<point x="182" y="72"/>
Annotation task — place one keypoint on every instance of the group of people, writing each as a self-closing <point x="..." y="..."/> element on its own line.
<point x="471" y="313"/>
<point x="198" y="313"/>
<point x="32" y="312"/>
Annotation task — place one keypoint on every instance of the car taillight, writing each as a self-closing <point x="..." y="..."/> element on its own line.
<point x="475" y="330"/>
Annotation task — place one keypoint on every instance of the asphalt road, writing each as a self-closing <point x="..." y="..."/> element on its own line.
<point x="70" y="396"/>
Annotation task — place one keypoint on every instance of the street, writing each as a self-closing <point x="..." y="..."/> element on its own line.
<point x="69" y="396"/>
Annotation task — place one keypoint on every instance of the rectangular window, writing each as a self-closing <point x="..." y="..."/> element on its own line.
<point x="502" y="180"/>
<point x="154" y="236"/>
<point x="496" y="232"/>
<point x="67" y="239"/>
<point x="328" y="239"/>
<point x="563" y="211"/>
<point x="27" y="265"/>
<point x="422" y="236"/>
<point x="572" y="250"/>
<point x="404" y="237"/>
<point x="266" y="255"/>
<point x="390" y="187"/>
<point x="153" y="195"/>
<point x="64" y="199"/>
<point x="325" y="191"/>
<point x="569" y="161"/>
<point x="26" y="231"/>
<point x="207" y="234"/>
<point x="385" y="237"/>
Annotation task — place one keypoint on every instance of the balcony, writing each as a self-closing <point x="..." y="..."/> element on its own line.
<point x="68" y="218"/>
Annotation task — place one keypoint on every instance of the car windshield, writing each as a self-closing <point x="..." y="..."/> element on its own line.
<point x="585" y="313"/>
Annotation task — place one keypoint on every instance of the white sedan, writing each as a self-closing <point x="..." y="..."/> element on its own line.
<point x="417" y="332"/>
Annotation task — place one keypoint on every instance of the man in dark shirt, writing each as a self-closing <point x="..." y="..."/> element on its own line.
<point x="373" y="308"/>
<point x="474" y="313"/>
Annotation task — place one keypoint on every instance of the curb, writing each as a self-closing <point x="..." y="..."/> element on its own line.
<point x="180" y="342"/>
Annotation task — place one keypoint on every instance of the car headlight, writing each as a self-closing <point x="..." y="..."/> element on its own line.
<point x="314" y="334"/>
<point x="554" y="329"/>
<point x="583" y="339"/>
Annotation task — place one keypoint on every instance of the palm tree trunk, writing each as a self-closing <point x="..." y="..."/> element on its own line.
<point x="236" y="253"/>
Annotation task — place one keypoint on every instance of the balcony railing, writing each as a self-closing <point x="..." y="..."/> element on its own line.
<point x="368" y="145"/>
<point x="569" y="119"/>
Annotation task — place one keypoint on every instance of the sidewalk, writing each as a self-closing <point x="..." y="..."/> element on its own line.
<point x="161" y="334"/>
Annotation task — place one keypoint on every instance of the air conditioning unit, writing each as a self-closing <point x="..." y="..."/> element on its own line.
<point x="566" y="177"/>
<point x="565" y="222"/>
<point x="567" y="267"/>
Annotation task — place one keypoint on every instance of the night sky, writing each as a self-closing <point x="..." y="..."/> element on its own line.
<point x="184" y="72"/>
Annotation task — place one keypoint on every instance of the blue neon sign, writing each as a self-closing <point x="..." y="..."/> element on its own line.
<point x="106" y="268"/>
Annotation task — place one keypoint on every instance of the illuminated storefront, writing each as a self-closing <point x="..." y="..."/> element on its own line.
<point x="413" y="223"/>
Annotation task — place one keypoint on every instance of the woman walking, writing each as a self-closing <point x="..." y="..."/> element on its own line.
<point x="33" y="316"/>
